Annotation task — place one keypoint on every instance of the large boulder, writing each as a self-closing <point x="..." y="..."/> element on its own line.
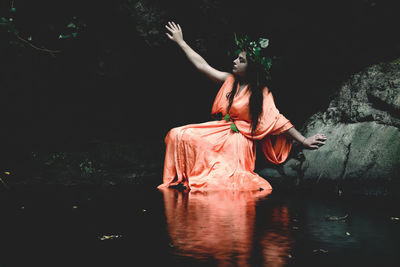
<point x="362" y="153"/>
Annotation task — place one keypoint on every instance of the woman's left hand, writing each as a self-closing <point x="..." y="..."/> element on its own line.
<point x="315" y="141"/>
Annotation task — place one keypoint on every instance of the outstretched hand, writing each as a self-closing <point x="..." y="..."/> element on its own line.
<point x="175" y="30"/>
<point x="315" y="141"/>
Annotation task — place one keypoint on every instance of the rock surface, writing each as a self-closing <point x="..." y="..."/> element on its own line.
<point x="362" y="153"/>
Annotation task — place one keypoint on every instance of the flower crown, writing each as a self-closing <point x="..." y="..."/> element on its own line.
<point x="253" y="51"/>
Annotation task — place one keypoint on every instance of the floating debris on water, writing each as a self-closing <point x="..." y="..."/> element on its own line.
<point x="320" y="250"/>
<point x="108" y="237"/>
<point x="336" y="218"/>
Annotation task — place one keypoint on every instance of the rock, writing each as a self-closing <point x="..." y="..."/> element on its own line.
<point x="269" y="173"/>
<point x="365" y="150"/>
<point x="362" y="153"/>
<point x="292" y="168"/>
<point x="371" y="95"/>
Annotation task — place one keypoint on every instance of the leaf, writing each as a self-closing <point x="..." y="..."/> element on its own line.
<point x="233" y="128"/>
<point x="74" y="34"/>
<point x="269" y="63"/>
<point x="263" y="61"/>
<point x="320" y="250"/>
<point x="13" y="9"/>
<point x="263" y="42"/>
<point x="62" y="36"/>
<point x="335" y="218"/>
<point x="217" y="116"/>
<point x="107" y="237"/>
<point x="71" y="25"/>
<point x="257" y="52"/>
<point x="236" y="40"/>
<point x="8" y="173"/>
<point x="227" y="117"/>
<point x="4" y="20"/>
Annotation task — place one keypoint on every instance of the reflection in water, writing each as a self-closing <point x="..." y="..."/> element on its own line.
<point x="219" y="226"/>
<point x="276" y="240"/>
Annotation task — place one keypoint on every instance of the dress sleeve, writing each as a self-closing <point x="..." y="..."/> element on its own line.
<point x="278" y="151"/>
<point x="271" y="123"/>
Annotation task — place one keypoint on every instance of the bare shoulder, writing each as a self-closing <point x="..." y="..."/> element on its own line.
<point x="214" y="74"/>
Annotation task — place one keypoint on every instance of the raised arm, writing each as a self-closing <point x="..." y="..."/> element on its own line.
<point x="199" y="62"/>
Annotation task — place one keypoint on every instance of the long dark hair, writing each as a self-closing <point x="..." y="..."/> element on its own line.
<point x="256" y="77"/>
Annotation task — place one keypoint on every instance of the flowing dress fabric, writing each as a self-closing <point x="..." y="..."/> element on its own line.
<point x="211" y="156"/>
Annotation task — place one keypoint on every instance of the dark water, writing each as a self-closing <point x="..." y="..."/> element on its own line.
<point x="63" y="227"/>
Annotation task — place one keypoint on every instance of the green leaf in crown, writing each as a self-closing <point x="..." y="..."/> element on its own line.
<point x="253" y="49"/>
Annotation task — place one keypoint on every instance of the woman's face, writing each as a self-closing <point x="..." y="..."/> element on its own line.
<point x="240" y="64"/>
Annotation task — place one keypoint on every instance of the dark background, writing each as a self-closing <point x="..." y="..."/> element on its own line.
<point x="123" y="80"/>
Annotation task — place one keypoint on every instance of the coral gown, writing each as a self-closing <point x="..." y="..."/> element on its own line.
<point x="212" y="156"/>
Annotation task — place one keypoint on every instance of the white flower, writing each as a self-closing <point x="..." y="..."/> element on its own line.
<point x="263" y="42"/>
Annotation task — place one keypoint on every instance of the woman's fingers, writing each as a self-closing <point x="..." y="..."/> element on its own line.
<point x="169" y="36"/>
<point x="172" y="25"/>
<point x="166" y="26"/>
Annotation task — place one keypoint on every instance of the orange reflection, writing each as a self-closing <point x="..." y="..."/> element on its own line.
<point x="217" y="225"/>
<point x="276" y="243"/>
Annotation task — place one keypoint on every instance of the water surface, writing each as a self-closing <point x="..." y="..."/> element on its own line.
<point x="130" y="225"/>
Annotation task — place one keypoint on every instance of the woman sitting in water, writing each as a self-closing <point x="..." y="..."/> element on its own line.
<point x="220" y="155"/>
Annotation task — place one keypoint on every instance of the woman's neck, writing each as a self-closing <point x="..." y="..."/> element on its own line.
<point x="242" y="80"/>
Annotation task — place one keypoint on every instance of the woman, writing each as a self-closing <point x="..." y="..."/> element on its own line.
<point x="220" y="155"/>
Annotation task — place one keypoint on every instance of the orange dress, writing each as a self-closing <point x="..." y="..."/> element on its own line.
<point x="211" y="156"/>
